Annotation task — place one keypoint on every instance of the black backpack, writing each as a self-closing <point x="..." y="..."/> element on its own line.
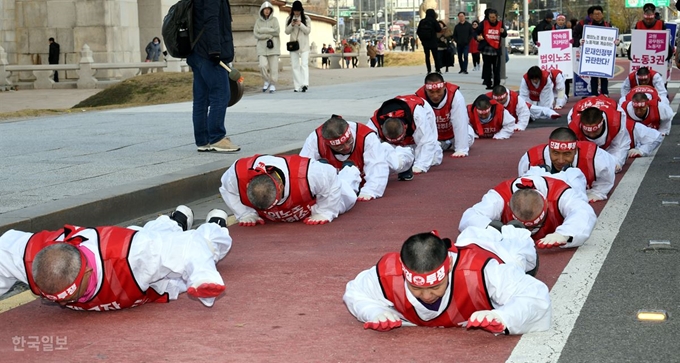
<point x="426" y="30"/>
<point x="177" y="29"/>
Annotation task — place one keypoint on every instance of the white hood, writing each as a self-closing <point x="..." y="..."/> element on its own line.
<point x="264" y="5"/>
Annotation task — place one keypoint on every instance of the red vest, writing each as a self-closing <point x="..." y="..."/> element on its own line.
<point x="658" y="25"/>
<point x="357" y="155"/>
<point x="630" y="126"/>
<point x="443" y="115"/>
<point x="468" y="289"/>
<point x="400" y="106"/>
<point x="653" y="118"/>
<point x="535" y="92"/>
<point x="632" y="78"/>
<point x="553" y="76"/>
<point x="118" y="290"/>
<point x="512" y="103"/>
<point x="586" y="158"/>
<point x="492" y="34"/>
<point x="493" y="126"/>
<point x="608" y="106"/>
<point x="554" y="217"/>
<point x="299" y="201"/>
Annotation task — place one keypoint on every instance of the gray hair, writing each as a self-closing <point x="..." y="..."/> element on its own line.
<point x="55" y="267"/>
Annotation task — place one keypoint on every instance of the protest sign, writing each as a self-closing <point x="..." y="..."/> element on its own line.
<point x="649" y="48"/>
<point x="581" y="84"/>
<point x="598" y="52"/>
<point x="554" y="51"/>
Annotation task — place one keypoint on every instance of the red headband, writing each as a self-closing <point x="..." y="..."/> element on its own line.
<point x="71" y="289"/>
<point x="484" y="113"/>
<point x="649" y="16"/>
<point x="340" y="140"/>
<point x="562" y="145"/>
<point x="643" y="77"/>
<point x="433" y="86"/>
<point x="526" y="183"/>
<point x="641" y="104"/>
<point x="262" y="169"/>
<point x="501" y="97"/>
<point x="428" y="279"/>
<point x="561" y="17"/>
<point x="592" y="128"/>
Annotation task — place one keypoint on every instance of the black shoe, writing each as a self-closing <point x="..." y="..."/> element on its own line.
<point x="461" y="71"/>
<point x="323" y="161"/>
<point x="184" y="217"/>
<point x="465" y="72"/>
<point x="304" y="88"/>
<point x="406" y="175"/>
<point x="347" y="163"/>
<point x="489" y="87"/>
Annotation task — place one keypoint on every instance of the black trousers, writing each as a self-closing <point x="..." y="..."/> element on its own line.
<point x="491" y="70"/>
<point x="475" y="59"/>
<point x="435" y="56"/>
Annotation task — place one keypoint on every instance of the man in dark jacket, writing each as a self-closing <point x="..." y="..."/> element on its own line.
<point x="545" y="24"/>
<point x="53" y="58"/>
<point x="462" y="34"/>
<point x="427" y="32"/>
<point x="596" y="18"/>
<point x="214" y="44"/>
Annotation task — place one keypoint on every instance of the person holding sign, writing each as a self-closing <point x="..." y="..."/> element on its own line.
<point x="596" y="19"/>
<point x="545" y="24"/>
<point x="650" y="22"/>
<point x="537" y="87"/>
<point x="649" y="111"/>
<point x="480" y="282"/>
<point x="565" y="151"/>
<point x="489" y="118"/>
<point x="600" y="120"/>
<point x="644" y="76"/>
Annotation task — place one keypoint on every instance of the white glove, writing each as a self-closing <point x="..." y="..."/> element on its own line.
<point x="316" y="219"/>
<point x="417" y="170"/>
<point x="384" y="321"/>
<point x="592" y="197"/>
<point x="488" y="320"/>
<point x="459" y="154"/>
<point x="250" y="220"/>
<point x="618" y="168"/>
<point x="496" y="137"/>
<point x="634" y="153"/>
<point x="552" y="240"/>
<point x="365" y="197"/>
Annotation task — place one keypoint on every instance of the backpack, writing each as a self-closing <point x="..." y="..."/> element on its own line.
<point x="177" y="29"/>
<point x="425" y="30"/>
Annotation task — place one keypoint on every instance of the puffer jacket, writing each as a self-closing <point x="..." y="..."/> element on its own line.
<point x="266" y="29"/>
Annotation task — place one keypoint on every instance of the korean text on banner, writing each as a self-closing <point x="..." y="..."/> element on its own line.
<point x="581" y="84"/>
<point x="673" y="28"/>
<point x="649" y="48"/>
<point x="554" y="51"/>
<point x="598" y="53"/>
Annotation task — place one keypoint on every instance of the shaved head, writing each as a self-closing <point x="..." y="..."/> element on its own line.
<point x="424" y="252"/>
<point x="526" y="204"/>
<point x="261" y="192"/>
<point x="55" y="267"/>
<point x="393" y="128"/>
<point x="334" y="128"/>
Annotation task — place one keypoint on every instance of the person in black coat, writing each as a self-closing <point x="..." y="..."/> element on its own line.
<point x="545" y="24"/>
<point x="462" y="35"/>
<point x="53" y="58"/>
<point x="427" y="31"/>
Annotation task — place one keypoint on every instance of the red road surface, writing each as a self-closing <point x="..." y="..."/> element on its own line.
<point x="285" y="284"/>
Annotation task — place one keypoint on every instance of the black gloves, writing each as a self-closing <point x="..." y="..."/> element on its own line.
<point x="214" y="57"/>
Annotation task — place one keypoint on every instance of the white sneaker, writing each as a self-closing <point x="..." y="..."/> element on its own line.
<point x="265" y="87"/>
<point x="217" y="216"/>
<point x="184" y="216"/>
<point x="272" y="89"/>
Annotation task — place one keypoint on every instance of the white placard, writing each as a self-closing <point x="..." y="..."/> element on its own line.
<point x="598" y="52"/>
<point x="649" y="48"/>
<point x="554" y="51"/>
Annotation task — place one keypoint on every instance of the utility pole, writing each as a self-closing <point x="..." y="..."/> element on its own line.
<point x="525" y="12"/>
<point x="337" y="21"/>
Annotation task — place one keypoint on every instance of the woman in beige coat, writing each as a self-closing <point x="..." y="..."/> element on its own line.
<point x="298" y="26"/>
<point x="266" y="32"/>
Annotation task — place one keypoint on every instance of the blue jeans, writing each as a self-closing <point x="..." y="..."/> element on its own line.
<point x="211" y="97"/>
<point x="463" y="57"/>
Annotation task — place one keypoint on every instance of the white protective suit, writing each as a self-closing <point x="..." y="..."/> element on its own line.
<point x="604" y="165"/>
<point x="460" y="122"/>
<point x="620" y="144"/>
<point x="376" y="169"/>
<point x="427" y="150"/>
<point x="579" y="217"/>
<point x="665" y="113"/>
<point x="336" y="192"/>
<point x="161" y="256"/>
<point x="657" y="83"/>
<point x="646" y="139"/>
<point x="522" y="301"/>
<point x="545" y="99"/>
